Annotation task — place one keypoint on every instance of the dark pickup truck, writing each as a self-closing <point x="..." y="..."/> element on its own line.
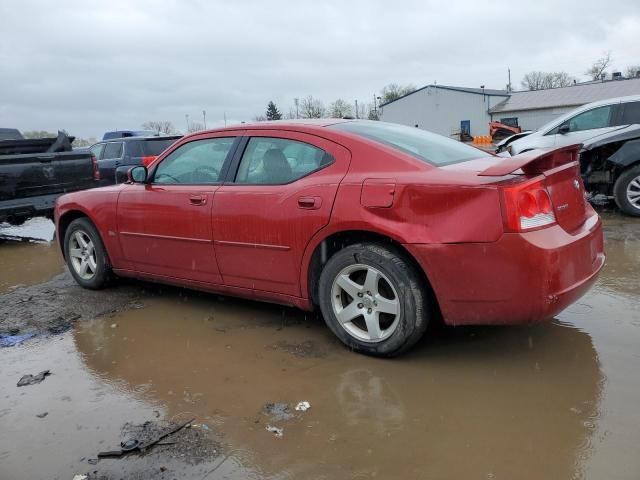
<point x="34" y="172"/>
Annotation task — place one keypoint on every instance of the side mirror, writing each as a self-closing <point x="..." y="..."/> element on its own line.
<point x="137" y="175"/>
<point x="563" y="129"/>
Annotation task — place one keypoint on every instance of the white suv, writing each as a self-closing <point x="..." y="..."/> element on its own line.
<point x="581" y="124"/>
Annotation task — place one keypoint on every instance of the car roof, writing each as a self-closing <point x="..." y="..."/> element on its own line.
<point x="137" y="139"/>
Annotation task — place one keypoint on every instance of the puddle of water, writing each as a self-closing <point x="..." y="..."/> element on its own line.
<point x="550" y="401"/>
<point x="23" y="263"/>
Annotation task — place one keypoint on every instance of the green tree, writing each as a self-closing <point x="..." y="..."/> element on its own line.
<point x="394" y="91"/>
<point x="272" y="112"/>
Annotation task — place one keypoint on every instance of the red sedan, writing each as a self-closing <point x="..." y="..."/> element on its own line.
<point x="381" y="226"/>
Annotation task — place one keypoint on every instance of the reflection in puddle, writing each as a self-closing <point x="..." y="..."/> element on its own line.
<point x="527" y="395"/>
<point x="28" y="263"/>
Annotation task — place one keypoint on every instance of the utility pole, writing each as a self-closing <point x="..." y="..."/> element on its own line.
<point x="296" y="102"/>
<point x="375" y="107"/>
<point x="204" y="118"/>
<point x="186" y="116"/>
<point x="357" y="109"/>
<point x="509" y="82"/>
<point x="225" y="118"/>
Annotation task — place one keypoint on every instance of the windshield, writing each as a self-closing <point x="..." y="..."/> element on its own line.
<point x="426" y="146"/>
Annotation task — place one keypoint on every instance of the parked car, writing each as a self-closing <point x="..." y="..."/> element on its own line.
<point x="502" y="145"/>
<point x="34" y="172"/>
<point x="383" y="227"/>
<point x="128" y="133"/>
<point x="610" y="166"/>
<point x="581" y="124"/>
<point x="115" y="157"/>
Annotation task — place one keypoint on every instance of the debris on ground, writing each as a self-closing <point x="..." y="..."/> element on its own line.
<point x="33" y="379"/>
<point x="277" y="432"/>
<point x="135" y="445"/>
<point x="80" y="477"/>
<point x="42" y="415"/>
<point x="278" y="411"/>
<point x="7" y="340"/>
<point x="303" y="406"/>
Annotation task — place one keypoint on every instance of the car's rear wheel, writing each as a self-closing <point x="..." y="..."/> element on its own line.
<point x="85" y="254"/>
<point x="626" y="191"/>
<point x="373" y="299"/>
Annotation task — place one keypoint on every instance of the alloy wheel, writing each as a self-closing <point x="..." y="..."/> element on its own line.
<point x="633" y="192"/>
<point x="83" y="255"/>
<point x="365" y="303"/>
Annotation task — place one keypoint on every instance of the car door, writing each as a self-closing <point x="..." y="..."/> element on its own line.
<point x="282" y="193"/>
<point x="164" y="225"/>
<point x="586" y="125"/>
<point x="110" y="160"/>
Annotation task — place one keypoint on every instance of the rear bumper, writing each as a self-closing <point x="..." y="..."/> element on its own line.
<point x="27" y="207"/>
<point x="521" y="278"/>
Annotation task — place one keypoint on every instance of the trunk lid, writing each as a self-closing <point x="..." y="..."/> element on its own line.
<point x="561" y="172"/>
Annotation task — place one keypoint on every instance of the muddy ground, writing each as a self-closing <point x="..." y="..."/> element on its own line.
<point x="558" y="400"/>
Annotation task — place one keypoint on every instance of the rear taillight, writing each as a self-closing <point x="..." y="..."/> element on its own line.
<point x="148" y="160"/>
<point x="96" y="170"/>
<point x="527" y="206"/>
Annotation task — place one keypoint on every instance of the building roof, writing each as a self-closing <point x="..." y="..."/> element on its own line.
<point x="579" y="94"/>
<point x="477" y="91"/>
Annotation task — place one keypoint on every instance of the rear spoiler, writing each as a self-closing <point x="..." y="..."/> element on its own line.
<point x="534" y="161"/>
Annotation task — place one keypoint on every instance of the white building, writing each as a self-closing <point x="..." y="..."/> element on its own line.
<point x="444" y="109"/>
<point x="447" y="110"/>
<point x="537" y="107"/>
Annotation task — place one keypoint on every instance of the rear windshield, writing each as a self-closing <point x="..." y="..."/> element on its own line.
<point x="145" y="148"/>
<point x="426" y="146"/>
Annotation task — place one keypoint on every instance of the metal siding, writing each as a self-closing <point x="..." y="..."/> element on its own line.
<point x="533" y="119"/>
<point x="440" y="111"/>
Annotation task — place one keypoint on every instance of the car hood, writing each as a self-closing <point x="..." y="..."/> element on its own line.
<point x="628" y="132"/>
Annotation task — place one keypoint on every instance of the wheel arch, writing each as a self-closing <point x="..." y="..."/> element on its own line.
<point x="332" y="242"/>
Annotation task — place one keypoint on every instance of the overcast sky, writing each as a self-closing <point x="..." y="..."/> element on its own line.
<point x="90" y="66"/>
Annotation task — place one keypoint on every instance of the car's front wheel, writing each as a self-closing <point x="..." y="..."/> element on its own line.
<point x="373" y="299"/>
<point x="626" y="191"/>
<point x="85" y="254"/>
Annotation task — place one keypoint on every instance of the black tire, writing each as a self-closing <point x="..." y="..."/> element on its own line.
<point x="102" y="274"/>
<point x="401" y="276"/>
<point x="623" y="183"/>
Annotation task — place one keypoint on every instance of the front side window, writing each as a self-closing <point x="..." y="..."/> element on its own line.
<point x="591" y="119"/>
<point x="112" y="150"/>
<point x="195" y="163"/>
<point x="277" y="161"/>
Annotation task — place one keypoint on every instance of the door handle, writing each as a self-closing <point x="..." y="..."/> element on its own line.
<point x="198" y="200"/>
<point x="45" y="158"/>
<point x="309" y="203"/>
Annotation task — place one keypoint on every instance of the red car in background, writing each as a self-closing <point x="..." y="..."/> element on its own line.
<point x="381" y="226"/>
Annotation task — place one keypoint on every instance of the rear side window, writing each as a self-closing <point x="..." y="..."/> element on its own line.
<point x="426" y="146"/>
<point x="112" y="150"/>
<point x="278" y="161"/>
<point x="195" y="163"/>
<point x="631" y="113"/>
<point x="97" y="150"/>
<point x="597" y="118"/>
<point x="145" y="148"/>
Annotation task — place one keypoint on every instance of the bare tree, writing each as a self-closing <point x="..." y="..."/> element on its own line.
<point x="195" y="127"/>
<point x="162" y="127"/>
<point x="393" y="91"/>
<point x="599" y="67"/>
<point x="632" y="71"/>
<point x="544" y="80"/>
<point x="311" y="108"/>
<point x="259" y="118"/>
<point x="339" y="109"/>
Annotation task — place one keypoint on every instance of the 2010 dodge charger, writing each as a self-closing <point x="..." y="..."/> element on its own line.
<point x="383" y="227"/>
